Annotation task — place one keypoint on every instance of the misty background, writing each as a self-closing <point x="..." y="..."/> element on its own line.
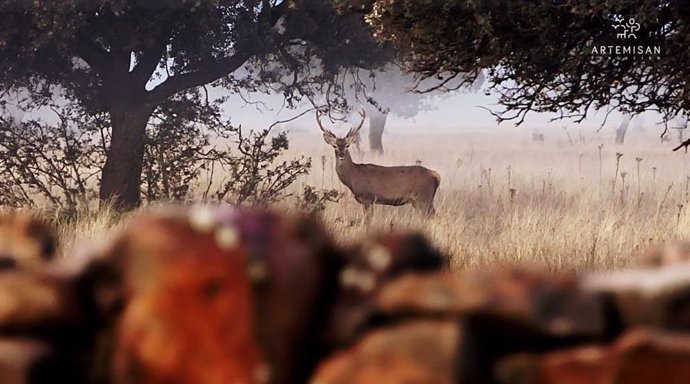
<point x="462" y="111"/>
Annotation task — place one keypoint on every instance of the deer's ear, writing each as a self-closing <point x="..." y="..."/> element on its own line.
<point x="351" y="139"/>
<point x="330" y="139"/>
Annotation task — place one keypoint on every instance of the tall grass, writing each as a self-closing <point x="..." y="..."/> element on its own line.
<point x="505" y="198"/>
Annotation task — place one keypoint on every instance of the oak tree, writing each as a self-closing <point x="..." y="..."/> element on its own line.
<point x="567" y="57"/>
<point x="125" y="58"/>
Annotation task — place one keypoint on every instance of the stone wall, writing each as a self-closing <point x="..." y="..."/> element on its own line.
<point x="224" y="295"/>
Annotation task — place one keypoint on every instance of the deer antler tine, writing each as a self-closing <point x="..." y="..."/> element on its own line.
<point x="318" y="121"/>
<point x="361" y="123"/>
<point x="354" y="131"/>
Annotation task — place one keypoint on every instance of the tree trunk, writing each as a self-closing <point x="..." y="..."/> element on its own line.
<point x="377" y="121"/>
<point x="121" y="178"/>
<point x="621" y="131"/>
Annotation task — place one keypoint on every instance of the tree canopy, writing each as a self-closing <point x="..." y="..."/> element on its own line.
<point x="546" y="55"/>
<point x="124" y="58"/>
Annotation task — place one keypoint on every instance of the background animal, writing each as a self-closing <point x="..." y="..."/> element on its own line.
<point x="376" y="184"/>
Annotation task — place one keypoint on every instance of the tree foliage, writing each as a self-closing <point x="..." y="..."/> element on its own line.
<point x="539" y="54"/>
<point x="182" y="142"/>
<point x="126" y="58"/>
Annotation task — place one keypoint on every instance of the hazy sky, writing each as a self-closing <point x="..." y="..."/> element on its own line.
<point x="457" y="112"/>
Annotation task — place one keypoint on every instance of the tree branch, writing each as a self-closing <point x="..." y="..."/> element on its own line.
<point x="684" y="144"/>
<point x="146" y="65"/>
<point x="148" y="60"/>
<point x="210" y="72"/>
<point x="93" y="55"/>
<point x="214" y="70"/>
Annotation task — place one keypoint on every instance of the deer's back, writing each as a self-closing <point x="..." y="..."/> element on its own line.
<point x="392" y="182"/>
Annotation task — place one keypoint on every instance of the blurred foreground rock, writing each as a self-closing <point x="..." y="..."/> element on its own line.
<point x="411" y="352"/>
<point x="25" y="241"/>
<point x="229" y="295"/>
<point x="640" y="355"/>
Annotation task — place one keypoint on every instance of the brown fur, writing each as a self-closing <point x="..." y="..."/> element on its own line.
<point x="376" y="184"/>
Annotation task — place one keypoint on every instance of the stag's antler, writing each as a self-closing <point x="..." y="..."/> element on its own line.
<point x="328" y="136"/>
<point x="318" y="121"/>
<point x="355" y="131"/>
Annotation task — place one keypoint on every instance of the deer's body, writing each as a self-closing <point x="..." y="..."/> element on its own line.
<point x="375" y="184"/>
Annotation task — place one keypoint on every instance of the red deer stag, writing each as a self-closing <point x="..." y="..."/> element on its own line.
<point x="376" y="184"/>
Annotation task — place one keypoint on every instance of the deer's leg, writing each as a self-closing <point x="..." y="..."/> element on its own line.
<point x="368" y="213"/>
<point x="424" y="204"/>
<point x="425" y="208"/>
<point x="367" y="204"/>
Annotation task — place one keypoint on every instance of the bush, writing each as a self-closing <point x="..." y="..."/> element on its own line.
<point x="314" y="200"/>
<point x="256" y="175"/>
<point x="50" y="165"/>
<point x="191" y="153"/>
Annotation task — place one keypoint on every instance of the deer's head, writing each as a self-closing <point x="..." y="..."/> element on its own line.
<point x="341" y="144"/>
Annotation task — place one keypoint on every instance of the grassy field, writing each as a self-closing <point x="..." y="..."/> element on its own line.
<point x="571" y="205"/>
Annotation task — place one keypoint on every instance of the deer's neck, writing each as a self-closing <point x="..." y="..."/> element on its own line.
<point x="344" y="167"/>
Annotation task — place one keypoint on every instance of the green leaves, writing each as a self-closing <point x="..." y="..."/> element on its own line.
<point x="111" y="56"/>
<point x="538" y="53"/>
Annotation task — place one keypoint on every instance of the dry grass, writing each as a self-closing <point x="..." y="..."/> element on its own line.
<point x="89" y="228"/>
<point x="560" y="211"/>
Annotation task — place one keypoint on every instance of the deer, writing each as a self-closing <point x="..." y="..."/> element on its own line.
<point x="375" y="184"/>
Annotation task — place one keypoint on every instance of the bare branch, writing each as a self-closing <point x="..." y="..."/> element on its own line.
<point x="211" y="72"/>
<point x="291" y="119"/>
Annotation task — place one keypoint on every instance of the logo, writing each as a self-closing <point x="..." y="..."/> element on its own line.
<point x="627" y="38"/>
<point x="627" y="29"/>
